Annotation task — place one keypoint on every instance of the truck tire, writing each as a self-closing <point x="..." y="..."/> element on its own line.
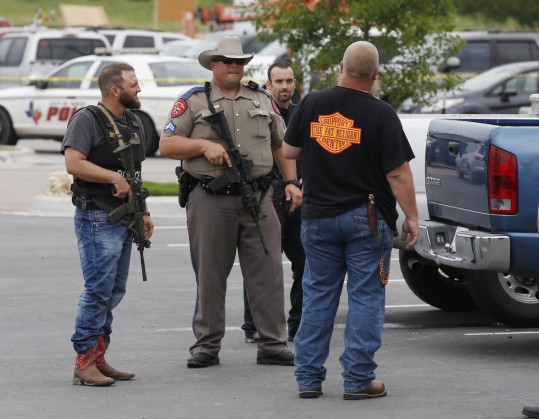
<point x="7" y="134"/>
<point x="439" y="286"/>
<point x="152" y="140"/>
<point x="509" y="299"/>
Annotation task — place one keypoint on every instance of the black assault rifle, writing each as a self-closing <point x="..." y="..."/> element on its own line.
<point x="239" y="172"/>
<point x="135" y="207"/>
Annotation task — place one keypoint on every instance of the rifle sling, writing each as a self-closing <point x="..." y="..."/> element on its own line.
<point x="114" y="126"/>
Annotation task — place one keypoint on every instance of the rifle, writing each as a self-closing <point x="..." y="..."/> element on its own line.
<point x="135" y="207"/>
<point x="239" y="172"/>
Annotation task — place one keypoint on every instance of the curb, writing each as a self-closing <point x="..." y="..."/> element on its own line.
<point x="61" y="206"/>
<point x="12" y="154"/>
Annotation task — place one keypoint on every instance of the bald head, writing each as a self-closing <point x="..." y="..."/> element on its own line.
<point x="360" y="60"/>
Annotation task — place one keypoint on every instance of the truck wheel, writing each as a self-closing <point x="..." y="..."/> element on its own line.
<point x="7" y="135"/>
<point x="152" y="140"/>
<point x="440" y="287"/>
<point x="508" y="299"/>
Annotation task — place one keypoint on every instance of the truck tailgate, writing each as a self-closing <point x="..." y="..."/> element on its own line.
<point x="457" y="172"/>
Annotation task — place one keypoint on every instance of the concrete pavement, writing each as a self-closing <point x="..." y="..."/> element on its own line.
<point x="435" y="364"/>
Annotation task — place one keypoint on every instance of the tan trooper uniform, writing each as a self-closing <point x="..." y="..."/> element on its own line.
<point x="218" y="226"/>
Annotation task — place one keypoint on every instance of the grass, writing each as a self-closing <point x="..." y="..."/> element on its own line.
<point x="123" y="13"/>
<point x="139" y="14"/>
<point x="161" y="189"/>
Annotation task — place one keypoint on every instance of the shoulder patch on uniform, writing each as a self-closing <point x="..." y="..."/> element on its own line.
<point x="192" y="91"/>
<point x="179" y="107"/>
<point x="170" y="127"/>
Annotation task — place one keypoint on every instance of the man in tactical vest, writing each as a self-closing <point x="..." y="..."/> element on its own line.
<point x="227" y="134"/>
<point x="98" y="142"/>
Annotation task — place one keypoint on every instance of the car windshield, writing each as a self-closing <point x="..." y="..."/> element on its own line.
<point x="179" y="48"/>
<point x="172" y="73"/>
<point x="488" y="78"/>
<point x="275" y="48"/>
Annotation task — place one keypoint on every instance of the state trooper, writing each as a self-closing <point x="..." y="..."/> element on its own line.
<point x="217" y="222"/>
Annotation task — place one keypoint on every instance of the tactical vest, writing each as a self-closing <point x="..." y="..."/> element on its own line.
<point x="103" y="155"/>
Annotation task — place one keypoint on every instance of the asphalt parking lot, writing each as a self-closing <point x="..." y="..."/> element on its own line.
<point x="435" y="364"/>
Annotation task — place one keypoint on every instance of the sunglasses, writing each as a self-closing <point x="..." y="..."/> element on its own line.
<point x="228" y="61"/>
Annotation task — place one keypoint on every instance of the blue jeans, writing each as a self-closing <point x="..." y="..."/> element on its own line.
<point x="335" y="246"/>
<point x="105" y="252"/>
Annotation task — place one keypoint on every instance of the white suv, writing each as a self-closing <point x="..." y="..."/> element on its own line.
<point x="29" y="54"/>
<point x="138" y="38"/>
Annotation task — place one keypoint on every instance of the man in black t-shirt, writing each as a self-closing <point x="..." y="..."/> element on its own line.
<point x="355" y="168"/>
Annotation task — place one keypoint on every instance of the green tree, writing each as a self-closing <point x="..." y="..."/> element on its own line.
<point x="414" y="33"/>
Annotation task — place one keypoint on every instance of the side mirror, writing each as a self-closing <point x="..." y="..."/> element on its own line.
<point x="449" y="64"/>
<point x="506" y="94"/>
<point x="39" y="83"/>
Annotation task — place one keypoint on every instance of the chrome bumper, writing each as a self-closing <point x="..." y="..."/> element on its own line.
<point x="461" y="248"/>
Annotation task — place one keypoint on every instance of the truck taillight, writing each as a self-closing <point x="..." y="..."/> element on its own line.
<point x="502" y="182"/>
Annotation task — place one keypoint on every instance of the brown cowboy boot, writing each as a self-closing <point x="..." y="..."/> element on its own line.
<point x="105" y="368"/>
<point x="86" y="372"/>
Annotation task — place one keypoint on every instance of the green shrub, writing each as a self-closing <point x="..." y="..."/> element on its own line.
<point x="161" y="189"/>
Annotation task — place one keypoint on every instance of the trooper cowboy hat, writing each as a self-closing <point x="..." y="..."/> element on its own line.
<point x="228" y="47"/>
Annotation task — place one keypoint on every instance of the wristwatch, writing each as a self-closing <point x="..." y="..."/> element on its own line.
<point x="294" y="182"/>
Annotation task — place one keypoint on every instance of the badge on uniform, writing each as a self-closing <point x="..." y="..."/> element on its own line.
<point x="256" y="103"/>
<point x="179" y="107"/>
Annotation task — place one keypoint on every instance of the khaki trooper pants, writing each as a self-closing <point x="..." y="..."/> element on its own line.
<point x="218" y="227"/>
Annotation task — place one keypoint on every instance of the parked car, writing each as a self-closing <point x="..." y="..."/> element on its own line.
<point x="42" y="109"/>
<point x="251" y="41"/>
<point x="484" y="50"/>
<point x="122" y="38"/>
<point x="502" y="89"/>
<point x="257" y="69"/>
<point x="30" y="53"/>
<point x="183" y="48"/>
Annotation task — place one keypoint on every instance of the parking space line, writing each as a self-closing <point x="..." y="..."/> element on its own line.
<point x="530" y="332"/>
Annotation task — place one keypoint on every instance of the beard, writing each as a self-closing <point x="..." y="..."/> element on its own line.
<point x="284" y="97"/>
<point x="129" y="101"/>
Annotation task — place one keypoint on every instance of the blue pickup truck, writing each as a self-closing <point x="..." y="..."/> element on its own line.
<point x="479" y="243"/>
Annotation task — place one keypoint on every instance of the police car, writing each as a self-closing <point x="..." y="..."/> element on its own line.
<point x="42" y="109"/>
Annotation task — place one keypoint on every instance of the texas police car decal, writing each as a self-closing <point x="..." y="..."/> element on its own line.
<point x="335" y="133"/>
<point x="179" y="107"/>
<point x="57" y="111"/>
<point x="31" y="113"/>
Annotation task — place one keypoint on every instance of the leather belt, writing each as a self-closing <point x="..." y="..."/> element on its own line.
<point x="262" y="183"/>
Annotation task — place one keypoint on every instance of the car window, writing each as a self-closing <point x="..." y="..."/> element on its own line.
<point x="475" y="57"/>
<point x="168" y="39"/>
<point x="531" y="84"/>
<point x="97" y="72"/>
<point x="512" y="52"/>
<point x="66" y="48"/>
<point x="173" y="73"/>
<point x="522" y="84"/>
<point x="69" y="77"/>
<point x="132" y="41"/>
<point x="12" y="51"/>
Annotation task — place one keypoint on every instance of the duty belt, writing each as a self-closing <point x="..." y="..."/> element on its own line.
<point x="262" y="183"/>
